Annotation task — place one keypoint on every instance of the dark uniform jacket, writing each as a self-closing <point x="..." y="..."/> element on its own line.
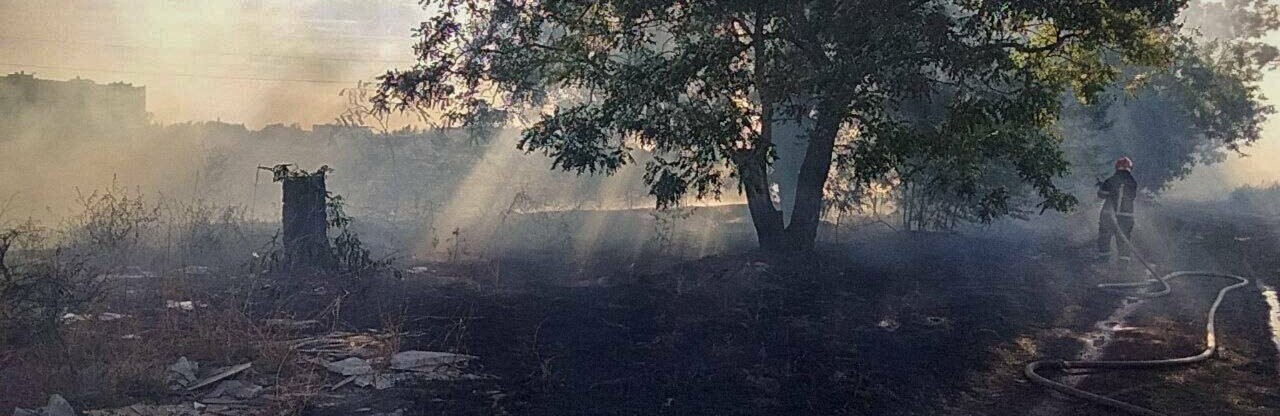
<point x="1120" y="188"/>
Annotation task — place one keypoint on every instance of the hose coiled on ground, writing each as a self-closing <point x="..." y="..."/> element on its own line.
<point x="1211" y="344"/>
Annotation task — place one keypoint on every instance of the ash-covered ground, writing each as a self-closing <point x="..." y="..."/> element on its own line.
<point x="880" y="322"/>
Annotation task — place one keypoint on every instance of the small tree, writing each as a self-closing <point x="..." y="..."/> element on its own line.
<point x="704" y="84"/>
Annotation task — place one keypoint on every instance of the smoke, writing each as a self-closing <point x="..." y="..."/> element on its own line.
<point x="253" y="61"/>
<point x="1257" y="166"/>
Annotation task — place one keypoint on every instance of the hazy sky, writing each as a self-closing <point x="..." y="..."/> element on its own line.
<point x="269" y="61"/>
<point x="250" y="61"/>
<point x="1261" y="167"/>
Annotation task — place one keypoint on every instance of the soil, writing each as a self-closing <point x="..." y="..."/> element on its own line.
<point x="893" y="324"/>
<point x="904" y="324"/>
<point x="1239" y="380"/>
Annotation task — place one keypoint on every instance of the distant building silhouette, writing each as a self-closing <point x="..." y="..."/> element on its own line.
<point x="73" y="109"/>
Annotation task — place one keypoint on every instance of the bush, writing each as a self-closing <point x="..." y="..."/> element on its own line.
<point x="38" y="285"/>
<point x="109" y="225"/>
<point x="1261" y="199"/>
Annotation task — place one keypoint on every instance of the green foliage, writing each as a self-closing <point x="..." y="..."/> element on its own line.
<point x="1190" y="104"/>
<point x="352" y="255"/>
<point x="702" y="83"/>
<point x="286" y="171"/>
<point x="1202" y="106"/>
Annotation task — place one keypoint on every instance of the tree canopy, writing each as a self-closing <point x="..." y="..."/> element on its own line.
<point x="702" y="84"/>
<point x="1203" y="106"/>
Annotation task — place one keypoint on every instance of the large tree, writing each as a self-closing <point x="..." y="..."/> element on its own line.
<point x="704" y="85"/>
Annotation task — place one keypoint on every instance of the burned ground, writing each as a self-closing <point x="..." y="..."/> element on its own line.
<point x="1240" y="377"/>
<point x="892" y="323"/>
<point x="745" y="335"/>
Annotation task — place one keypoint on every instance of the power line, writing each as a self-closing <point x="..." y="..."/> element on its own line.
<point x="182" y="74"/>
<point x="205" y="52"/>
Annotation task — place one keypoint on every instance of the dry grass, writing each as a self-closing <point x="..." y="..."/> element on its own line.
<point x="124" y="361"/>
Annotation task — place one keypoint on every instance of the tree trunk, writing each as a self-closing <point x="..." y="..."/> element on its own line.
<point x="753" y="165"/>
<point x="766" y="218"/>
<point x="802" y="232"/>
<point x="305" y="224"/>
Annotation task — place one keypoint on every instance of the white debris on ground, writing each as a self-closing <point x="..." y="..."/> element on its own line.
<point x="228" y="397"/>
<point x="338" y="345"/>
<point x="186" y="305"/>
<point x="889" y="324"/>
<point x="361" y="362"/>
<point x="404" y="366"/>
<point x="195" y="271"/>
<point x="200" y="408"/>
<point x="111" y="316"/>
<point x="934" y="320"/>
<point x="57" y="406"/>
<point x="292" y="324"/>
<point x="182" y="373"/>
<point x="185" y="409"/>
<point x="433" y="276"/>
<point x="235" y="389"/>
<point x="105" y="316"/>
<point x="350" y="367"/>
<point x="359" y="358"/>
<point x="417" y="360"/>
<point x="220" y="374"/>
<point x="129" y="273"/>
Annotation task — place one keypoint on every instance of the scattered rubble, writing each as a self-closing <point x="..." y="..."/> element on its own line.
<point x="338" y="345"/>
<point x="421" y="269"/>
<point x="105" y="316"/>
<point x="195" y="271"/>
<point x="235" y="389"/>
<point x="57" y="406"/>
<point x="220" y="374"/>
<point x="111" y="316"/>
<point x="934" y="320"/>
<point x="418" y="360"/>
<point x="292" y="324"/>
<point x="404" y="366"/>
<point x="182" y="373"/>
<point x="360" y="360"/>
<point x="186" y="305"/>
<point x="129" y="273"/>
<point x="186" y="409"/>
<point x="350" y="367"/>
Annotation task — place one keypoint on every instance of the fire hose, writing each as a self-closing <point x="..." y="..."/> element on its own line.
<point x="1134" y="290"/>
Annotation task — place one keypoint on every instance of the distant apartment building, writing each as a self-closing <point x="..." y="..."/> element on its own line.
<point x="72" y="109"/>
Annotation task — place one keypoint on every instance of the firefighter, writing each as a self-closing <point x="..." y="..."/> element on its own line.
<point x="1118" y="192"/>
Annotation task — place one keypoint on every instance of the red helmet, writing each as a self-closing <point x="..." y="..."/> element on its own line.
<point x="1124" y="164"/>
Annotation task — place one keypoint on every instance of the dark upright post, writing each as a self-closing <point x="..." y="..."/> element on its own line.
<point x="306" y="242"/>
